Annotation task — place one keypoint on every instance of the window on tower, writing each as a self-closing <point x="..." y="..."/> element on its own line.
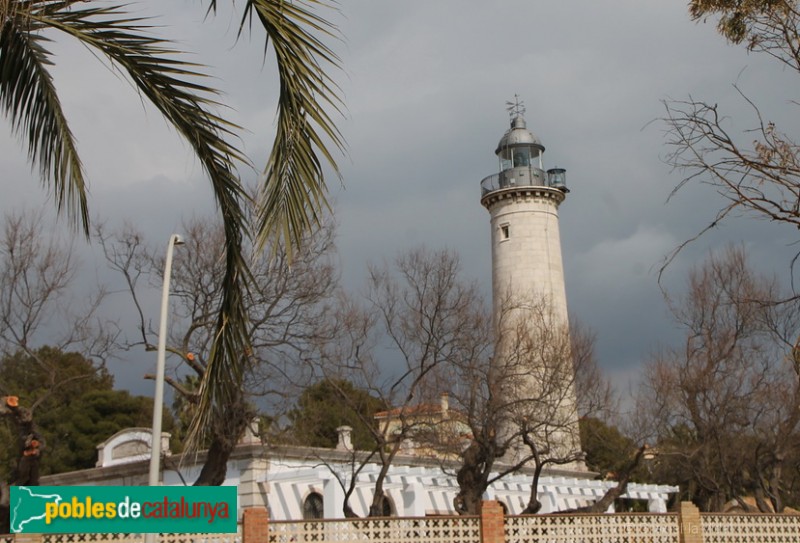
<point x="504" y="231"/>
<point x="522" y="158"/>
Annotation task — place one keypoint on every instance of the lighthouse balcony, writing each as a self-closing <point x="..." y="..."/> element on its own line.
<point x="522" y="177"/>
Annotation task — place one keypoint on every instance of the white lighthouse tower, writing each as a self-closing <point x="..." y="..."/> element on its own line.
<point x="529" y="296"/>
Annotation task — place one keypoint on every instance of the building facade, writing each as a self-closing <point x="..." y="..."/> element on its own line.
<point x="306" y="482"/>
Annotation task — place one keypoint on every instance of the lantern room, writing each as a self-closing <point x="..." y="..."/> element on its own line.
<point x="520" y="157"/>
<point x="519" y="148"/>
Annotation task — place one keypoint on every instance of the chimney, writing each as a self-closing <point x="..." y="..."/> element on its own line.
<point x="344" y="443"/>
<point x="445" y="400"/>
<point x="251" y="434"/>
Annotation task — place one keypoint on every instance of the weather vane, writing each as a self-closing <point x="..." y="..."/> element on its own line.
<point x="515" y="108"/>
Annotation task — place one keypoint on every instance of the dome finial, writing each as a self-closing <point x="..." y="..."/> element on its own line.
<point x="516" y="108"/>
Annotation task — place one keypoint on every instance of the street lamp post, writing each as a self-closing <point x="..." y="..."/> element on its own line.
<point x="158" y="399"/>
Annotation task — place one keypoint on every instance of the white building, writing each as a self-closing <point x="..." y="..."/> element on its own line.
<point x="301" y="482"/>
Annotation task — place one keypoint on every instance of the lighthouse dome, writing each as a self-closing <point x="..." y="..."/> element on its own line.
<point x="518" y="136"/>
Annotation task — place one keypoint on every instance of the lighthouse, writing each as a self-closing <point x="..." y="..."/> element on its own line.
<point x="523" y="201"/>
<point x="528" y="291"/>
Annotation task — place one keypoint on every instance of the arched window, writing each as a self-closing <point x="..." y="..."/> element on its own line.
<point x="387" y="510"/>
<point x="313" y="507"/>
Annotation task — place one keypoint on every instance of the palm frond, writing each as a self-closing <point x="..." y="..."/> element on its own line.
<point x="30" y="101"/>
<point x="294" y="193"/>
<point x="171" y="86"/>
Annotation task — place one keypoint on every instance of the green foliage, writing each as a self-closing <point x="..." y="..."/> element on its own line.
<point x="331" y="403"/>
<point x="29" y="377"/>
<point x="91" y="419"/>
<point x="75" y="407"/>
<point x="674" y="467"/>
<point x="607" y="449"/>
<point x="739" y="19"/>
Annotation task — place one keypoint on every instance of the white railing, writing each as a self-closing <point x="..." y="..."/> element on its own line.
<point x="727" y="528"/>
<point x="380" y="530"/>
<point x="617" y="528"/>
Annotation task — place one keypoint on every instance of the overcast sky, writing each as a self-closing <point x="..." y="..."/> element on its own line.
<point x="425" y="84"/>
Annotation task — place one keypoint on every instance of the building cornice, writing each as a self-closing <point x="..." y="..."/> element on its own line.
<point x="525" y="193"/>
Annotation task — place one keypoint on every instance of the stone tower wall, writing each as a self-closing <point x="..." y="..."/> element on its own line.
<point x="527" y="264"/>
<point x="527" y="274"/>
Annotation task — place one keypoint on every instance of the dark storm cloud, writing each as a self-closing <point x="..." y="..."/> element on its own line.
<point x="425" y="85"/>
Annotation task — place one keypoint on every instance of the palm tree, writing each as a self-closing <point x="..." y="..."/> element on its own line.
<point x="293" y="195"/>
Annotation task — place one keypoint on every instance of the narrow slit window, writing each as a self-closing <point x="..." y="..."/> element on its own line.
<point x="504" y="231"/>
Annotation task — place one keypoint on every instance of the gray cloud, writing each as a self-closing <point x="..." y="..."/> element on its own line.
<point x="425" y="86"/>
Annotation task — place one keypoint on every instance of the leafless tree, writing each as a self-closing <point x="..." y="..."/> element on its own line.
<point x="757" y="171"/>
<point x="518" y="399"/>
<point x="724" y="407"/>
<point x="39" y="307"/>
<point x="285" y="303"/>
<point x="509" y="395"/>
<point x="419" y="314"/>
<point x="38" y="303"/>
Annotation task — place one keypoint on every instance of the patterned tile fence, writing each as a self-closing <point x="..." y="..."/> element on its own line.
<point x="380" y="530"/>
<point x="686" y="527"/>
<point x="750" y="528"/>
<point x="616" y="528"/>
